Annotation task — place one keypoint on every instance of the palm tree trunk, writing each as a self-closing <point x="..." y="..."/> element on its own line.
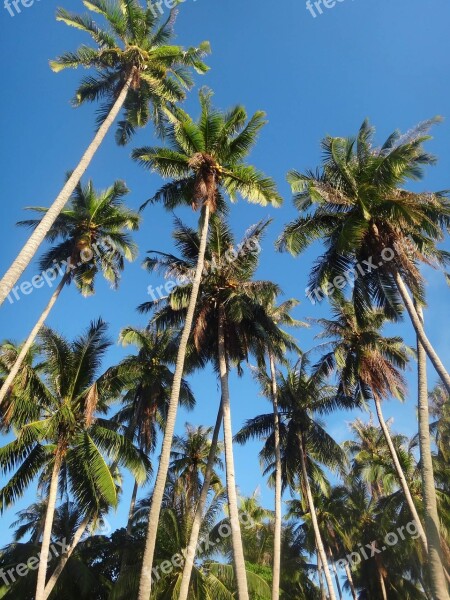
<point x="315" y="524"/>
<point x="418" y="326"/>
<point x="37" y="237"/>
<point x="145" y="585"/>
<point x="382" y="584"/>
<point x="46" y="536"/>
<point x="278" y="490"/>
<point x="238" y="550"/>
<point x="30" y="340"/>
<point x="351" y="583"/>
<point x="401" y="475"/>
<point x="336" y="575"/>
<point x="199" y="513"/>
<point x="64" y="559"/>
<point x="432" y="526"/>
<point x="126" y="550"/>
<point x="323" y="593"/>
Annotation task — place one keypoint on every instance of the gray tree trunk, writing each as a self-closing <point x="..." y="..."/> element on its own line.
<point x="417" y="324"/>
<point x="46" y="536"/>
<point x="64" y="559"/>
<point x="401" y="475"/>
<point x="199" y="513"/>
<point x="236" y="539"/>
<point x="350" y="581"/>
<point x="30" y="340"/>
<point x="278" y="491"/>
<point x="37" y="237"/>
<point x="432" y="526"/>
<point x="145" y="584"/>
<point x="312" y="509"/>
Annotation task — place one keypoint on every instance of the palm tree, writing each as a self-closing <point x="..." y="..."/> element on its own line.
<point x="190" y="454"/>
<point x="303" y="439"/>
<point x="281" y="315"/>
<point x="147" y="378"/>
<point x="438" y="573"/>
<point x="135" y="70"/>
<point x="229" y="322"/>
<point x="66" y="440"/>
<point x="366" y="218"/>
<point x="93" y="238"/>
<point x="206" y="160"/>
<point x="368" y="366"/>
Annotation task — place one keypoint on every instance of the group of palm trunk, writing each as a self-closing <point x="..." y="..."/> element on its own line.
<point x="205" y="164"/>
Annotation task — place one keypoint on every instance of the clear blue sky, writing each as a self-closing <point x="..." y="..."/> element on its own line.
<point x="377" y="58"/>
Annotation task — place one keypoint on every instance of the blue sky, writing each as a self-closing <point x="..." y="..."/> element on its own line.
<point x="313" y="76"/>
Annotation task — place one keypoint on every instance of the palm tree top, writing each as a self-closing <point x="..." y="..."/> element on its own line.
<point x="360" y="209"/>
<point x="206" y="159"/>
<point x="133" y="42"/>
<point x="92" y="231"/>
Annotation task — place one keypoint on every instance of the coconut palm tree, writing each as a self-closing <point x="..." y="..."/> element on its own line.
<point x="282" y="317"/>
<point x="206" y="162"/>
<point x="304" y="441"/>
<point x="189" y="462"/>
<point x="375" y="232"/>
<point x="67" y="441"/>
<point x="135" y="70"/>
<point x="229" y="322"/>
<point x="93" y="239"/>
<point x="368" y="366"/>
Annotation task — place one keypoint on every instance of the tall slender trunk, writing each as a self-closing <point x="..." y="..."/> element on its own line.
<point x="236" y="539"/>
<point x="323" y="593"/>
<point x="145" y="585"/>
<point x="382" y="583"/>
<point x="64" y="559"/>
<point x="199" y="513"/>
<point x="277" y="530"/>
<point x="401" y="475"/>
<point x="418" y="326"/>
<point x="435" y="560"/>
<point x="336" y="574"/>
<point x="351" y="583"/>
<point x="128" y="541"/>
<point x="46" y="536"/>
<point x="315" y="524"/>
<point x="30" y="340"/>
<point x="37" y="237"/>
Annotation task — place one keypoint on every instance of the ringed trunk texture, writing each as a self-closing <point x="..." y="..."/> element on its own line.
<point x="319" y="543"/>
<point x="432" y="526"/>
<point x="236" y="539"/>
<point x="336" y="574"/>
<point x="351" y="583"/>
<point x="37" y="237"/>
<point x="418" y="326"/>
<point x="30" y="340"/>
<point x="382" y="584"/>
<point x="64" y="559"/>
<point x="46" y="536"/>
<point x="199" y="513"/>
<point x="126" y="550"/>
<point x="145" y="585"/>
<point x="401" y="475"/>
<point x="323" y="593"/>
<point x="278" y="492"/>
